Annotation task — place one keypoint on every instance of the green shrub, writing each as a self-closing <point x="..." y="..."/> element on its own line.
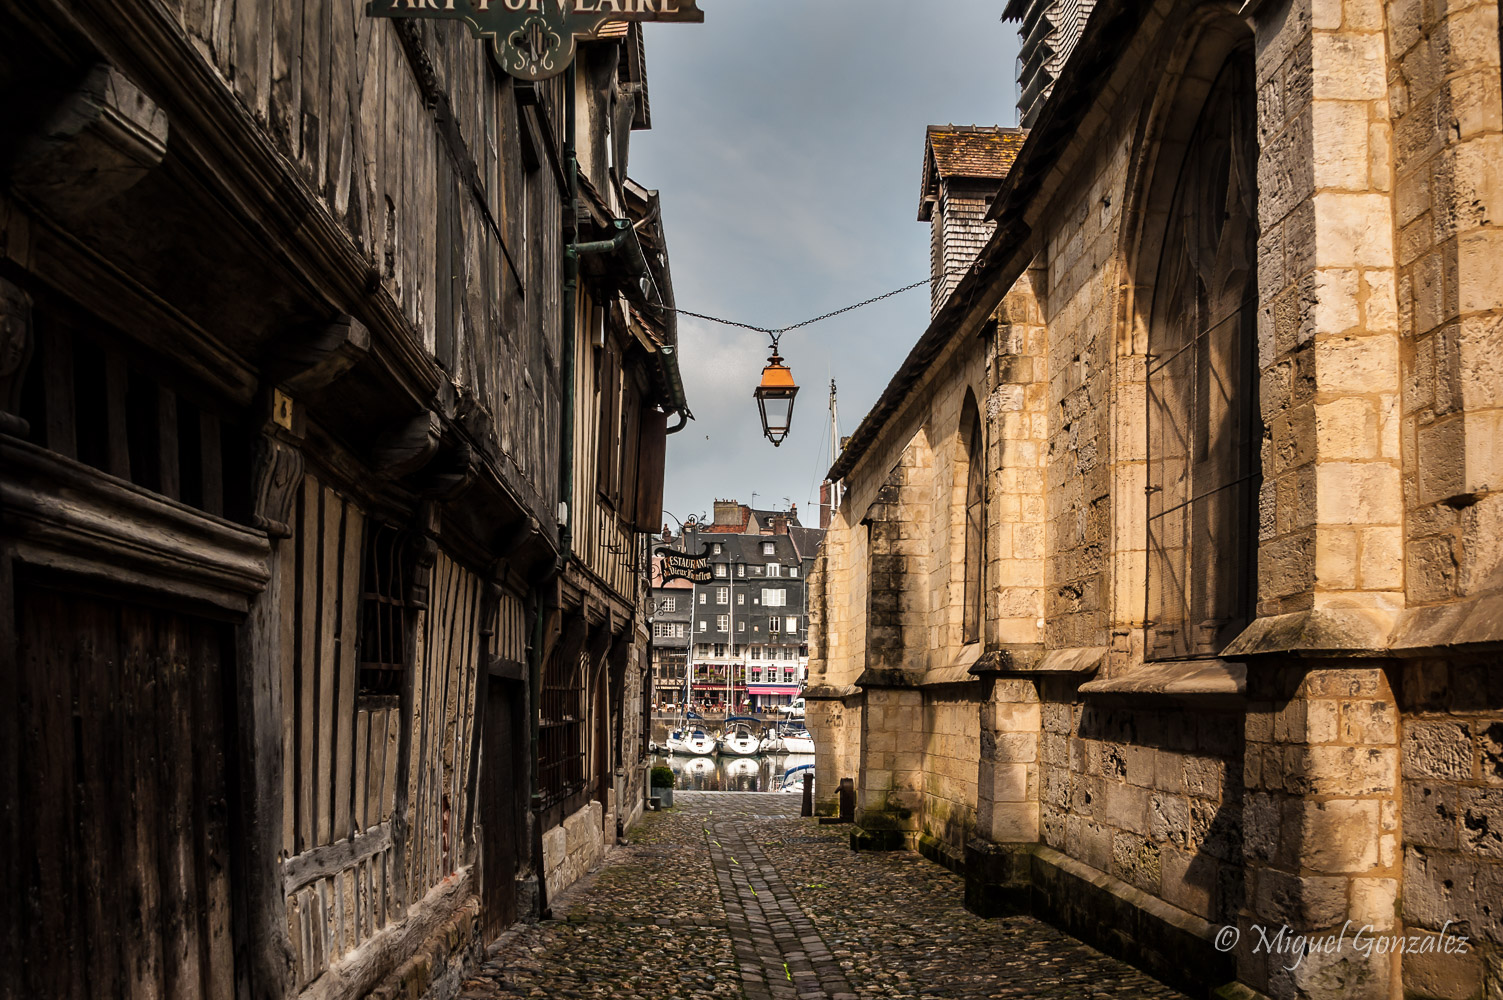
<point x="662" y="776"/>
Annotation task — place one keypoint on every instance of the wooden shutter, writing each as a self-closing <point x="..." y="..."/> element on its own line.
<point x="652" y="454"/>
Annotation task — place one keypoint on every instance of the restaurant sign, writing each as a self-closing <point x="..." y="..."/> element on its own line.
<point x="681" y="565"/>
<point x="535" y="39"/>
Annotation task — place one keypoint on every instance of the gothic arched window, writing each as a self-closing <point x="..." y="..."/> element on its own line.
<point x="1203" y="429"/>
<point x="970" y="437"/>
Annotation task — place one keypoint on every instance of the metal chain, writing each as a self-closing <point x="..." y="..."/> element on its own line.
<point x="776" y="332"/>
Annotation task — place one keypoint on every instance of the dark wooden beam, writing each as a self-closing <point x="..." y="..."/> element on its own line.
<point x="102" y="139"/>
<point x="406" y="448"/>
<point x="314" y="358"/>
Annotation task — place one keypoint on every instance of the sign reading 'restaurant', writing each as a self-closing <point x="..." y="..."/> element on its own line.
<point x="535" y="39"/>
<point x="680" y="565"/>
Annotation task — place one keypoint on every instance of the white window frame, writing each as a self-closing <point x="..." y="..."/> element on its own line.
<point x="722" y="623"/>
<point x="774" y="624"/>
<point x="722" y="595"/>
<point x="774" y="569"/>
<point x="769" y="548"/>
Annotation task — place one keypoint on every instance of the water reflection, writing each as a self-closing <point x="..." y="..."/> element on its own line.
<point x="733" y="774"/>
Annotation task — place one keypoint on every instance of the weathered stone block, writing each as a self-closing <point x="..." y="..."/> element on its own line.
<point x="1438" y="750"/>
<point x="1305" y="903"/>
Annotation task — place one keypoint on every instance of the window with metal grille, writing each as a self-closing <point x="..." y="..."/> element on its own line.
<point x="98" y="398"/>
<point x="383" y="611"/>
<point x="1203" y="429"/>
<point x="561" y="748"/>
<point x="974" y="511"/>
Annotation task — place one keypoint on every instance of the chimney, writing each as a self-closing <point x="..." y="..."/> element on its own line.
<point x="727" y="512"/>
<point x="780" y="524"/>
<point x="824" y="506"/>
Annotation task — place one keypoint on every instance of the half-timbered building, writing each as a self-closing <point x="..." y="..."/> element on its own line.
<point x="291" y="349"/>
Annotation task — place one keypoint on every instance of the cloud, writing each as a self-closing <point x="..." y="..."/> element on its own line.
<point x="787" y="140"/>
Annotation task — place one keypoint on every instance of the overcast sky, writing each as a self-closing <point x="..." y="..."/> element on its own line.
<point x="787" y="140"/>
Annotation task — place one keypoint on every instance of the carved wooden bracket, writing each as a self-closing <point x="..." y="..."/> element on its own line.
<point x="424" y="552"/>
<point x="314" y="358"/>
<point x="446" y="476"/>
<point x="407" y="448"/>
<point x="278" y="474"/>
<point x="15" y="355"/>
<point x="102" y="139"/>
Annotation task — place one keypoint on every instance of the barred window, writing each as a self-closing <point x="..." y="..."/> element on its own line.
<point x="1203" y="430"/>
<point x="561" y="747"/>
<point x="383" y="609"/>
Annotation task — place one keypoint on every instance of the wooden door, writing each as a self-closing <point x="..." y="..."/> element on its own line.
<point x="121" y="801"/>
<point x="503" y="791"/>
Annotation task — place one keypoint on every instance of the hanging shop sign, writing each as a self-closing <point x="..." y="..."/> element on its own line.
<point x="535" y="39"/>
<point x="681" y="565"/>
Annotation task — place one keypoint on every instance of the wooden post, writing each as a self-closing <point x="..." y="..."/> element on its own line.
<point x="808" y="807"/>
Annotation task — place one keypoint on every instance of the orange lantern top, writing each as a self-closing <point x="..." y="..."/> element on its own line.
<point x="775" y="396"/>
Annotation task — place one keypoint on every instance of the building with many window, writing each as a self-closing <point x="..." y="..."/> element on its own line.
<point x="747" y="642"/>
<point x="670" y="614"/>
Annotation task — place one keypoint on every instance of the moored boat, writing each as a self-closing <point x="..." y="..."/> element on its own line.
<point x="690" y="743"/>
<point x="739" y="740"/>
<point x="798" y="742"/>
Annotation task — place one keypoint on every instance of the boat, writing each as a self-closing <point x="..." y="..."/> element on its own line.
<point x="793" y="778"/>
<point x="739" y="740"/>
<point x="772" y="742"/>
<point x="690" y="743"/>
<point x="798" y="741"/>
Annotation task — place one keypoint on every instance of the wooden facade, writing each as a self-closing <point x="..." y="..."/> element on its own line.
<point x="287" y="501"/>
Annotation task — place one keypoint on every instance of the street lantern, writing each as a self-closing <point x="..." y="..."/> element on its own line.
<point x="775" y="398"/>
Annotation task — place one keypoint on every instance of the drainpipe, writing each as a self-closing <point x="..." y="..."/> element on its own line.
<point x="565" y="491"/>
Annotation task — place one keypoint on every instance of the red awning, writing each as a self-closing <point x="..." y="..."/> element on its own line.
<point x="781" y="689"/>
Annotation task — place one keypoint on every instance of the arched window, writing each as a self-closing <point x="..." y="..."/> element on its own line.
<point x="1203" y="429"/>
<point x="975" y="468"/>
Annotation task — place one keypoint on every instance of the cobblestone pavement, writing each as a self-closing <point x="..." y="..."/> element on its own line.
<point x="731" y="895"/>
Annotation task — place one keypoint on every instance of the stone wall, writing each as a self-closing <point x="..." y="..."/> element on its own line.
<point x="951" y="749"/>
<point x="573" y="848"/>
<point x="1451" y="761"/>
<point x="1151" y="797"/>
<point x="1342" y="760"/>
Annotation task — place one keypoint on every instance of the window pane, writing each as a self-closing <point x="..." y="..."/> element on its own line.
<point x="1203" y="432"/>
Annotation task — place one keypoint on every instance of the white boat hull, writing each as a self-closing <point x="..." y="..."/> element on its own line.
<point x="798" y="744"/>
<point x="740" y="747"/>
<point x="694" y="746"/>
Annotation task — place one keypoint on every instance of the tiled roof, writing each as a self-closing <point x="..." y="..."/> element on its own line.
<point x="972" y="152"/>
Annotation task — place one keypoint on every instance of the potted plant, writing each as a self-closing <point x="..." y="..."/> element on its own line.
<point x="662" y="785"/>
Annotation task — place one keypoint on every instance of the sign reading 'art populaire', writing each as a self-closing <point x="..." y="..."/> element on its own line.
<point x="535" y="39"/>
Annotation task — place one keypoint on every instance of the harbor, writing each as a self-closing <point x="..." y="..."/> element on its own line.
<point x="734" y="774"/>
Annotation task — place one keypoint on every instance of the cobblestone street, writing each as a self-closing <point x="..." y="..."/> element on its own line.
<point x="733" y="895"/>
